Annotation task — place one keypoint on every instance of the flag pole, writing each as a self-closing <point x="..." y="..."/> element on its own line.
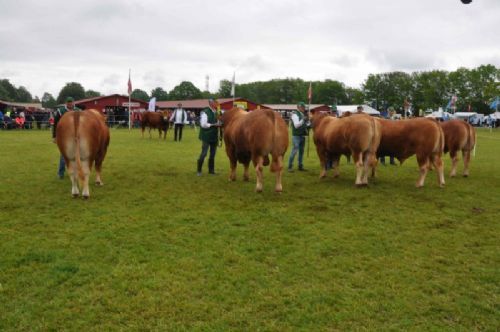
<point x="309" y="96"/>
<point x="233" y="86"/>
<point x="129" y="92"/>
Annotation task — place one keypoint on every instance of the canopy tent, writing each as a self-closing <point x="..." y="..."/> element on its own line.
<point x="465" y="115"/>
<point x="440" y="114"/>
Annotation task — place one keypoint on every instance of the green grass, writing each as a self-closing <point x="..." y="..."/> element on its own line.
<point x="158" y="248"/>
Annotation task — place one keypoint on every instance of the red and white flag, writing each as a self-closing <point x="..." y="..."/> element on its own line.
<point x="129" y="84"/>
<point x="310" y="92"/>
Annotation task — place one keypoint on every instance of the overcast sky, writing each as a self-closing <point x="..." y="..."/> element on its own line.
<point x="45" y="44"/>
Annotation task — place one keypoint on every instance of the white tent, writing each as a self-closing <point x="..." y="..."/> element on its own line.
<point x="341" y="109"/>
<point x="465" y="115"/>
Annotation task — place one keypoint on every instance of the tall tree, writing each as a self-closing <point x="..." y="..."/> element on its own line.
<point x="72" y="89"/>
<point x="354" y="96"/>
<point x="329" y="91"/>
<point x="48" y="101"/>
<point x="159" y="93"/>
<point x="224" y="89"/>
<point x="7" y="90"/>
<point x="185" y="91"/>
<point x="92" y="94"/>
<point x="140" y="94"/>
<point x="23" y="95"/>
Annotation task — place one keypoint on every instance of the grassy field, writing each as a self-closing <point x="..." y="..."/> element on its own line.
<point x="157" y="248"/>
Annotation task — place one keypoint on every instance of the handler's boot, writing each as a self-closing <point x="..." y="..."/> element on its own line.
<point x="200" y="165"/>
<point x="211" y="166"/>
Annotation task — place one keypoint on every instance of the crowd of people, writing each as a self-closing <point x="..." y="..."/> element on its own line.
<point x="21" y="119"/>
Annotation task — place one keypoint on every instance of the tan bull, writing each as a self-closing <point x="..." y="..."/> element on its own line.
<point x="357" y="135"/>
<point x="82" y="139"/>
<point x="459" y="136"/>
<point x="421" y="137"/>
<point x="253" y="136"/>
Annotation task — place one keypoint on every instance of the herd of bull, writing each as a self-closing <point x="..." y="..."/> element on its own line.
<point x="261" y="137"/>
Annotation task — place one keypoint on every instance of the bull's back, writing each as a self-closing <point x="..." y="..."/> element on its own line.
<point x="404" y="138"/>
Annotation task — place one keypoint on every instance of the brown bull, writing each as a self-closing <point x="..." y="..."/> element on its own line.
<point x="419" y="136"/>
<point x="82" y="138"/>
<point x="459" y="136"/>
<point x="357" y="135"/>
<point x="155" y="120"/>
<point x="252" y="137"/>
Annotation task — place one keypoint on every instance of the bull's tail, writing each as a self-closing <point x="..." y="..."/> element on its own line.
<point x="439" y="145"/>
<point x="274" y="130"/>
<point x="471" y="139"/>
<point x="76" y="121"/>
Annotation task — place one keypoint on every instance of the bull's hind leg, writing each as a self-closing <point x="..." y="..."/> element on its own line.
<point x="367" y="157"/>
<point x="86" y="175"/>
<point x="73" y="175"/>
<point x="246" y="175"/>
<point x="259" y="167"/>
<point x="358" y="161"/>
<point x="423" y="165"/>
<point x="98" y="167"/>
<point x="454" y="162"/>
<point x="277" y="167"/>
<point x="438" y="164"/>
<point x="233" y="163"/>
<point x="466" y="157"/>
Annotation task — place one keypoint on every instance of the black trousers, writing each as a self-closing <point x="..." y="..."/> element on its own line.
<point x="178" y="131"/>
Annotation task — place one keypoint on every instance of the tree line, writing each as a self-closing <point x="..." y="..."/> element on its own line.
<point x="474" y="88"/>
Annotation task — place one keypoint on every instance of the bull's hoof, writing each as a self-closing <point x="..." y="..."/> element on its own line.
<point x="99" y="183"/>
<point x="336" y="175"/>
<point x="75" y="195"/>
<point x="246" y="178"/>
<point x="419" y="185"/>
<point x="85" y="197"/>
<point x="361" y="185"/>
<point x="466" y="175"/>
<point x="258" y="190"/>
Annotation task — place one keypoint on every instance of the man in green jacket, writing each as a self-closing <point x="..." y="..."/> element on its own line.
<point x="70" y="106"/>
<point x="209" y="136"/>
<point x="299" y="133"/>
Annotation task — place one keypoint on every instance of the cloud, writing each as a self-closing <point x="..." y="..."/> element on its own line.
<point x="47" y="43"/>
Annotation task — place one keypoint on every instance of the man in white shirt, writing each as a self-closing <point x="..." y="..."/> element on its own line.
<point x="179" y="118"/>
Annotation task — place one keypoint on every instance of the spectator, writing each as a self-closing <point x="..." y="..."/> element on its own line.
<point x="179" y="118"/>
<point x="70" y="106"/>
<point x="299" y="133"/>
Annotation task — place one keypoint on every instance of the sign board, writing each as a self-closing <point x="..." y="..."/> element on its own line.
<point x="241" y="104"/>
<point x="131" y="104"/>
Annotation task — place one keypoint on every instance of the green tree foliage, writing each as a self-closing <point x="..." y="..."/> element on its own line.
<point x="23" y="95"/>
<point x="431" y="89"/>
<point x="72" y="89"/>
<point x="48" y="101"/>
<point x="185" y="91"/>
<point x="140" y="94"/>
<point x="388" y="89"/>
<point x="8" y="92"/>
<point x="92" y="94"/>
<point x="224" y="89"/>
<point x="354" y="96"/>
<point x="159" y="93"/>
